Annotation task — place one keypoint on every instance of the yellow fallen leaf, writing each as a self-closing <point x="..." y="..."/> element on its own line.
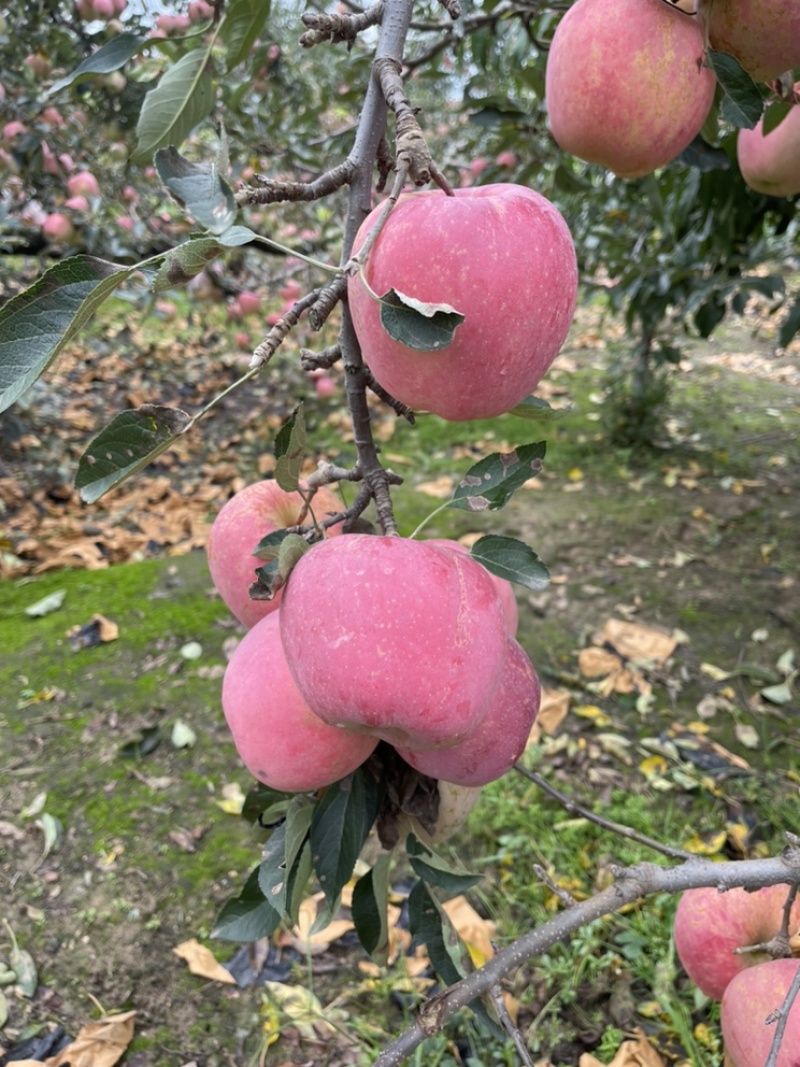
<point x="313" y="942"/>
<point x="475" y="932"/>
<point x="201" y="961"/>
<point x="232" y="799"/>
<point x="594" y="714"/>
<point x="708" y="845"/>
<point x="597" y="662"/>
<point x="653" y="765"/>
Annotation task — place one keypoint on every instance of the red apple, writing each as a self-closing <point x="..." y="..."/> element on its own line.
<point x="709" y="925"/>
<point x="771" y="163"/>
<point x="626" y="85"/>
<point x="77" y="203"/>
<point x="764" y="35"/>
<point x="279" y="738"/>
<point x="397" y="638"/>
<point x="504" y="589"/>
<point x="749" y="999"/>
<point x="243" y="521"/>
<point x="499" y="254"/>
<point x="498" y="742"/>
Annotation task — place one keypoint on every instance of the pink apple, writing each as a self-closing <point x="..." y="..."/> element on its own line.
<point x="506" y="159"/>
<point x="279" y="738"/>
<point x="325" y="386"/>
<point x="499" y="254"/>
<point x="504" y="589"/>
<point x="250" y="303"/>
<point x="57" y="228"/>
<point x="200" y="11"/>
<point x="749" y="999"/>
<point x="243" y="340"/>
<point x="709" y="925"/>
<point x="626" y="83"/>
<point x="13" y="129"/>
<point x="244" y="520"/>
<point x="771" y="164"/>
<point x="52" y="116"/>
<point x="393" y="637"/>
<point x="498" y="742"/>
<point x="77" y="203"/>
<point x="83" y="183"/>
<point x="764" y="35"/>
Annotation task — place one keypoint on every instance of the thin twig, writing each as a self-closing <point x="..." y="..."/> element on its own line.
<point x="323" y="360"/>
<point x="781" y="1016"/>
<point x="616" y="828"/>
<point x="496" y="993"/>
<point x="268" y="347"/>
<point x="326" y="301"/>
<point x="403" y="410"/>
<point x="566" y="898"/>
<point x="273" y="192"/>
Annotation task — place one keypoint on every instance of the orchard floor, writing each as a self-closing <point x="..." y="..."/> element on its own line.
<point x="699" y="536"/>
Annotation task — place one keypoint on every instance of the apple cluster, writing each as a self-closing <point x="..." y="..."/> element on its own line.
<point x="373" y="638"/>
<point x="714" y="933"/>
<point x="628" y="84"/>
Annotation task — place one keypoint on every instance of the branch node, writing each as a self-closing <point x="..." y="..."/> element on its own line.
<point x="326" y="301"/>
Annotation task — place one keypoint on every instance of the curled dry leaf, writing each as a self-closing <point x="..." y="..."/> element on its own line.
<point x="201" y="961"/>
<point x="637" y="1052"/>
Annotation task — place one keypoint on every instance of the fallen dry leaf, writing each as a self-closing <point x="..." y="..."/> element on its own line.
<point x="637" y="1052"/>
<point x="634" y="640"/>
<point x="477" y="933"/>
<point x="201" y="962"/>
<point x="314" y="943"/>
<point x="552" y="712"/>
<point x="100" y="1044"/>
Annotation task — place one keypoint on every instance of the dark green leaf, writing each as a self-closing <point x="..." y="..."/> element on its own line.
<point x="423" y="327"/>
<point x="181" y="264"/>
<point x="249" y="916"/>
<point x="109" y="57"/>
<point x="567" y="181"/>
<point x="272" y="872"/>
<point x="370" y="905"/>
<point x="244" y="21"/>
<point x="269" y="547"/>
<point x="710" y="315"/>
<point x="339" y="828"/>
<point x="430" y="926"/>
<point x="789" y="326"/>
<point x="492" y="481"/>
<point x="290" y="445"/>
<point x="774" y="114"/>
<point x="147" y="741"/>
<point x="39" y="322"/>
<point x="130" y="441"/>
<point x="262" y="799"/>
<point x="184" y="96"/>
<point x="297" y="884"/>
<point x="293" y="547"/>
<point x="198" y="187"/>
<point x="535" y="409"/>
<point x="742" y="103"/>
<point x="298" y="824"/>
<point x="435" y="870"/>
<point x="511" y="559"/>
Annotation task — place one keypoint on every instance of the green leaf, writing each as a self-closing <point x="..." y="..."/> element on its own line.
<point x="244" y="21"/>
<point x="293" y="547"/>
<point x="262" y="800"/>
<point x="492" y="481"/>
<point x="535" y="409"/>
<point x="774" y="114"/>
<point x="339" y="828"/>
<point x="435" y="870"/>
<point x="290" y="445"/>
<point x="742" y="103"/>
<point x="181" y="264"/>
<point x="269" y="547"/>
<point x="511" y="559"/>
<point x="789" y="326"/>
<point x="37" y="324"/>
<point x="430" y="925"/>
<point x="130" y="441"/>
<point x="370" y="906"/>
<point x="423" y="327"/>
<point x="111" y="56"/>
<point x="297" y="883"/>
<point x="298" y="824"/>
<point x="184" y="96"/>
<point x="199" y="188"/>
<point x="47" y="604"/>
<point x="249" y="916"/>
<point x="272" y="871"/>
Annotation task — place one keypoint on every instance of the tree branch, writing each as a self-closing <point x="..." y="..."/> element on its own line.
<point x="631" y="884"/>
<point x="273" y="192"/>
<point x="337" y="28"/>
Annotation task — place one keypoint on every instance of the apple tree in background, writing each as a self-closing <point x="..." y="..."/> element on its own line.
<point x="387" y="685"/>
